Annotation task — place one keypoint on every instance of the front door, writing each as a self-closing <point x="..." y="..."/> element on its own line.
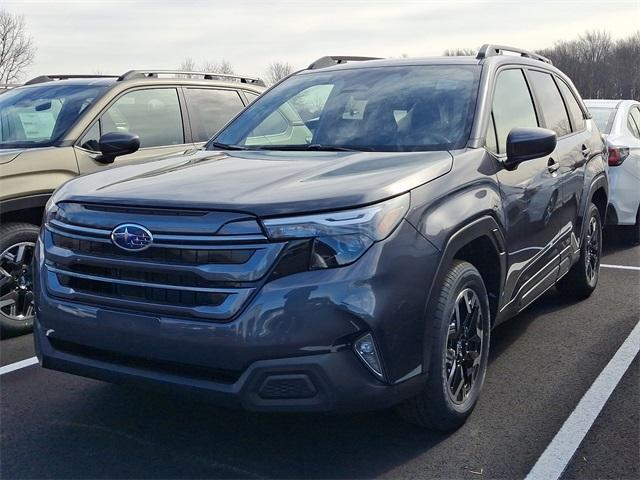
<point x="530" y="195"/>
<point x="154" y="114"/>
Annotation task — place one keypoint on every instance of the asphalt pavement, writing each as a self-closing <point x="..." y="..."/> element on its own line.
<point x="54" y="425"/>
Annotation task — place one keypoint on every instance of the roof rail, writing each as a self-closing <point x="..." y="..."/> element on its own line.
<point x="50" y="78"/>
<point x="206" y="76"/>
<point x="488" y="50"/>
<point x="331" y="60"/>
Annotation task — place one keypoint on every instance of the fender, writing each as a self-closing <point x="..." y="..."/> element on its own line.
<point x="24" y="203"/>
<point x="484" y="226"/>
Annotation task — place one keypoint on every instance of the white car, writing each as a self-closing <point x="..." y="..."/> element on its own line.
<point x="619" y="121"/>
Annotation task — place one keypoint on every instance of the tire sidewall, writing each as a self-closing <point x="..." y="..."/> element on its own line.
<point x="11" y="234"/>
<point x="469" y="278"/>
<point x="593" y="213"/>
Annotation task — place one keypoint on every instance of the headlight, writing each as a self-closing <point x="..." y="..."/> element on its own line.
<point x="50" y="210"/>
<point x="340" y="238"/>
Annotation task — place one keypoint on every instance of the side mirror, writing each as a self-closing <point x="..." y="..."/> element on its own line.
<point x="116" y="144"/>
<point x="527" y="143"/>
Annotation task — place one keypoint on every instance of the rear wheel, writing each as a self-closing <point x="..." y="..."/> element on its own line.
<point x="582" y="279"/>
<point x="459" y="353"/>
<point x="17" y="245"/>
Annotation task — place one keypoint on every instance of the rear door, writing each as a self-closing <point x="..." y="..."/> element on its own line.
<point x="210" y="109"/>
<point x="154" y="114"/>
<point x="529" y="196"/>
<point x="572" y="152"/>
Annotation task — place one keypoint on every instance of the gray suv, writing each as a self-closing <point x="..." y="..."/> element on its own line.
<point x="348" y="242"/>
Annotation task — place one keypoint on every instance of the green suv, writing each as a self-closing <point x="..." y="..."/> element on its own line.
<point x="57" y="127"/>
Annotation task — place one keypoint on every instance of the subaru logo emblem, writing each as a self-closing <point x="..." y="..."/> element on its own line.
<point x="131" y="237"/>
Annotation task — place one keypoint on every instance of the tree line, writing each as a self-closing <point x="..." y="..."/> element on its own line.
<point x="599" y="66"/>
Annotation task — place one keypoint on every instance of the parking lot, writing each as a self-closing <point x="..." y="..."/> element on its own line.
<point x="60" y="426"/>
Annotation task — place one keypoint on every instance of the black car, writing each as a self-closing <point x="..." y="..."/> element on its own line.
<point x="347" y="242"/>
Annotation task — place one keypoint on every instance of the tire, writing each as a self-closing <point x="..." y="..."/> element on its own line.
<point x="582" y="279"/>
<point x="17" y="244"/>
<point x="635" y="235"/>
<point x="438" y="407"/>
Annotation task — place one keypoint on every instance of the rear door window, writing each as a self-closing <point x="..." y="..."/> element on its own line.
<point x="512" y="106"/>
<point x="210" y="110"/>
<point x="551" y="103"/>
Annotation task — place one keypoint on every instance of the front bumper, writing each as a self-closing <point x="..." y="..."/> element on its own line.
<point x="289" y="349"/>
<point x="335" y="382"/>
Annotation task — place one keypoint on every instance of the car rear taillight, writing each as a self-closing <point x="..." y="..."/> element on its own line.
<point x="617" y="155"/>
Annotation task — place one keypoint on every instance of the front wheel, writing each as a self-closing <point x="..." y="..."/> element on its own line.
<point x="17" y="245"/>
<point x="459" y="352"/>
<point x="582" y="279"/>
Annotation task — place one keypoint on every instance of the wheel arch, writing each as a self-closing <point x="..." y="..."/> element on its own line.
<point x="599" y="196"/>
<point x="480" y="242"/>
<point x="24" y="209"/>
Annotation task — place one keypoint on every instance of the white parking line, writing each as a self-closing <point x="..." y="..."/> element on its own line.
<point x="559" y="452"/>
<point x="620" y="267"/>
<point x="18" y="365"/>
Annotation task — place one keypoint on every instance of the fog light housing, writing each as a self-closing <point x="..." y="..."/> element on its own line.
<point x="366" y="349"/>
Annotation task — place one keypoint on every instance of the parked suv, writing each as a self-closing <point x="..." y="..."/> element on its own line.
<point x="346" y="243"/>
<point x="619" y="120"/>
<point x="60" y="126"/>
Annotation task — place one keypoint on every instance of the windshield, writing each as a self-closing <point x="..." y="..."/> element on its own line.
<point x="404" y="108"/>
<point x="603" y="118"/>
<point x="38" y="116"/>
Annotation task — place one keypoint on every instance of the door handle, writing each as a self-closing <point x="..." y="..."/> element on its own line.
<point x="553" y="166"/>
<point x="586" y="151"/>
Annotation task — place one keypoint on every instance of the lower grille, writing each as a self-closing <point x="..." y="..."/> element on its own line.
<point x="180" y="369"/>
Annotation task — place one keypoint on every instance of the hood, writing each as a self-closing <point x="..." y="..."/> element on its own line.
<point x="263" y="183"/>
<point x="6" y="155"/>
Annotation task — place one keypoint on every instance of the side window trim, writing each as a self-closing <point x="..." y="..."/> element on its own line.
<point x="99" y="115"/>
<point x="573" y="128"/>
<point x="630" y="116"/>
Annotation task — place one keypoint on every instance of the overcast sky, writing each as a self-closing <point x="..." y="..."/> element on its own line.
<point x="114" y="36"/>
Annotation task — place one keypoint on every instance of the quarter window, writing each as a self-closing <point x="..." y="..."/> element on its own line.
<point x="577" y="117"/>
<point x="551" y="103"/>
<point x="634" y="122"/>
<point x="512" y="106"/>
<point x="210" y="110"/>
<point x="154" y="115"/>
<point x="91" y="139"/>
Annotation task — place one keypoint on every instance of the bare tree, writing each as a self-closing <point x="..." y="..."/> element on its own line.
<point x="188" y="65"/>
<point x="16" y="47"/>
<point x="223" y="66"/>
<point x="277" y="70"/>
<point x="460" y="52"/>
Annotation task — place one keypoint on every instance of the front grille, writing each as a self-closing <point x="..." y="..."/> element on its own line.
<point x="168" y="255"/>
<point x="205" y="275"/>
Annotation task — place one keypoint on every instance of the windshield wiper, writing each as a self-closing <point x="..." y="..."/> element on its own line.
<point x="331" y="148"/>
<point x="311" y="147"/>
<point x="224" y="146"/>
